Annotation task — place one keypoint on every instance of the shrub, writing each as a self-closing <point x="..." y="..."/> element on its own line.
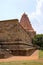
<point x="38" y="40"/>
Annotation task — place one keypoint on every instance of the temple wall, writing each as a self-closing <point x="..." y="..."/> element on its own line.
<point x="12" y="31"/>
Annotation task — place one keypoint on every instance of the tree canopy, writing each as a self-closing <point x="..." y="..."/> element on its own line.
<point x="38" y="40"/>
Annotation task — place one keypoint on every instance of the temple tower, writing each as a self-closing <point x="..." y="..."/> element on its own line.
<point x="26" y="24"/>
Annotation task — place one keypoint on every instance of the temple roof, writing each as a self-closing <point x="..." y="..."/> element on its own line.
<point x="25" y="22"/>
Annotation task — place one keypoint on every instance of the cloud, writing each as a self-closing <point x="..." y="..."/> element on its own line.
<point x="38" y="9"/>
<point x="37" y="15"/>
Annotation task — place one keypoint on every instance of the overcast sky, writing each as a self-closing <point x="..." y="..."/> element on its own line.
<point x="12" y="9"/>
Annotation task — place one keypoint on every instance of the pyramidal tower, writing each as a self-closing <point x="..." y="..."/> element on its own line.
<point x="26" y="24"/>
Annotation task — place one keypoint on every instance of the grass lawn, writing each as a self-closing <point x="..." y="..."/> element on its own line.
<point x="41" y="54"/>
<point x="22" y="63"/>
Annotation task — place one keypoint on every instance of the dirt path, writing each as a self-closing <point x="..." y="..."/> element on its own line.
<point x="34" y="56"/>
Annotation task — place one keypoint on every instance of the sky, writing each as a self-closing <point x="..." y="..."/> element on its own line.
<point x="13" y="9"/>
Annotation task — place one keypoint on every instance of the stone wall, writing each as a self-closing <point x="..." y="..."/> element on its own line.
<point x="11" y="32"/>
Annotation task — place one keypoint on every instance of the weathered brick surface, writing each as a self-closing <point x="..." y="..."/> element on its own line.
<point x="13" y="37"/>
<point x="11" y="31"/>
<point x="26" y="24"/>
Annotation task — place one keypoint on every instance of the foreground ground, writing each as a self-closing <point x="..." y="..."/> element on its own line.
<point x="35" y="59"/>
<point x="34" y="56"/>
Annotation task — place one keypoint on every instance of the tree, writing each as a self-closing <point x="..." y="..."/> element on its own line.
<point x="38" y="40"/>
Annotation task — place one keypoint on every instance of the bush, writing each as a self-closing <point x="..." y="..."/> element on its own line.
<point x="38" y="40"/>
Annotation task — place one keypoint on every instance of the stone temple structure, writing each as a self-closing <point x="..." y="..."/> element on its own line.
<point x="15" y="37"/>
<point x="26" y="24"/>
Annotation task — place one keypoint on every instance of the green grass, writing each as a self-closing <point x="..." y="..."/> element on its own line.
<point x="41" y="54"/>
<point x="22" y="63"/>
